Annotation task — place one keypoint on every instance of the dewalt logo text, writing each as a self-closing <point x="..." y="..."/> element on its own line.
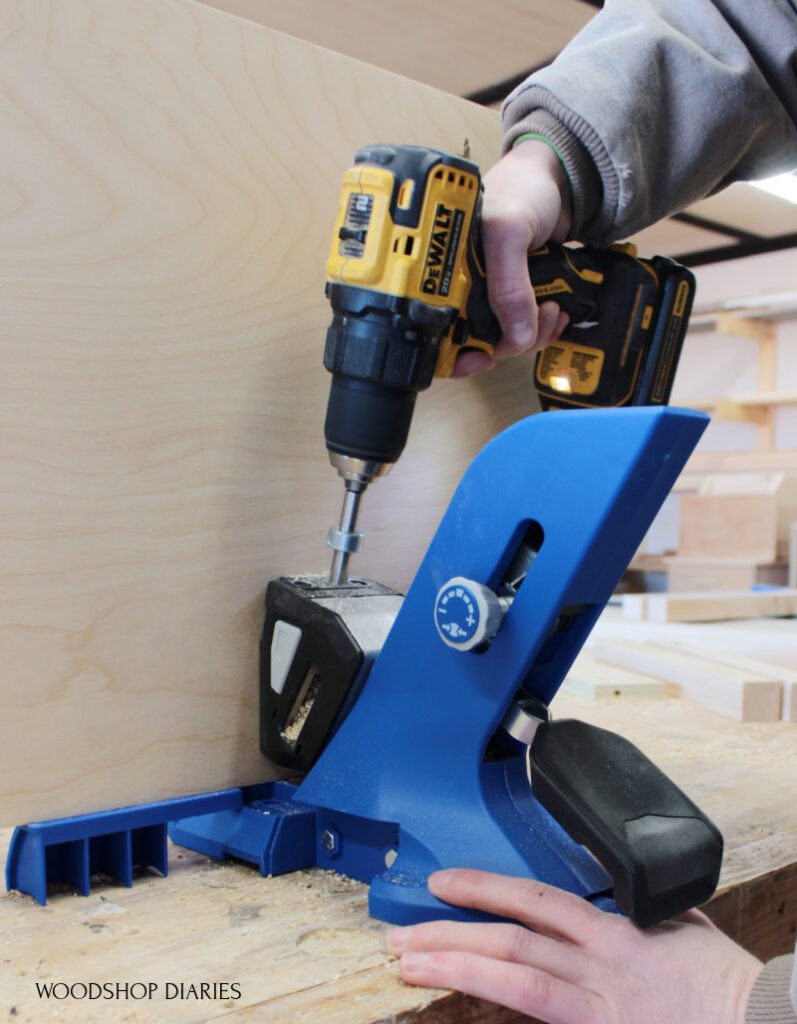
<point x="441" y="255"/>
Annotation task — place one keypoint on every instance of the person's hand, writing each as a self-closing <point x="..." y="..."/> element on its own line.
<point x="526" y="203"/>
<point x="573" y="963"/>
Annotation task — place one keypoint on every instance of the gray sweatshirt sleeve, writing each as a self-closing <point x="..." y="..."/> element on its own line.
<point x="656" y="104"/>
<point x="769" y="1000"/>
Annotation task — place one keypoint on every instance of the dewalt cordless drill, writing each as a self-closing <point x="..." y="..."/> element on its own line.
<point x="406" y="281"/>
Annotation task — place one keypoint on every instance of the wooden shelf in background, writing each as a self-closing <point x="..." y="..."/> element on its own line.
<point x="747" y="408"/>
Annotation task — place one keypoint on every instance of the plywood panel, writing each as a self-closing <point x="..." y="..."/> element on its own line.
<point x="169" y="181"/>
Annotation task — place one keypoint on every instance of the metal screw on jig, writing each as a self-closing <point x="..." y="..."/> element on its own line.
<point x="330" y="840"/>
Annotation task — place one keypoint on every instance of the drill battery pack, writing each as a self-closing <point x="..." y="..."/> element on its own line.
<point x="628" y="320"/>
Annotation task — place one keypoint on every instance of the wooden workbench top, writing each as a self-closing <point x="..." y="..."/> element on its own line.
<point x="289" y="948"/>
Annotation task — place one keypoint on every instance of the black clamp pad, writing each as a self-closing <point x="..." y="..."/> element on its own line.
<point x="328" y="667"/>
<point x="663" y="853"/>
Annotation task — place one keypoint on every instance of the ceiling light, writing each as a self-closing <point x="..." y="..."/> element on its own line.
<point x="782" y="185"/>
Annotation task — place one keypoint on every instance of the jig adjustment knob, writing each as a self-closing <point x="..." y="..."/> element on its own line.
<point x="467" y="614"/>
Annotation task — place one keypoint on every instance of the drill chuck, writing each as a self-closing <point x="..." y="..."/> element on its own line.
<point x="366" y="425"/>
<point x="381" y="350"/>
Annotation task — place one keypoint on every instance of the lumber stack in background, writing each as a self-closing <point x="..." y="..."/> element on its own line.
<point x="743" y="671"/>
<point x="709" y="606"/>
<point x="734" y="531"/>
<point x="739" y="516"/>
<point x="743" y="695"/>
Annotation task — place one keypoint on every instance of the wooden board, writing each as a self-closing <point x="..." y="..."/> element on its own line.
<point x="271" y="951"/>
<point x="303" y="947"/>
<point x="711" y="606"/>
<point x="170" y="180"/>
<point x="721" y="574"/>
<point x="728" y="526"/>
<point x="763" y="641"/>
<point x="588" y="677"/>
<point x="742" y="694"/>
<point x="595" y="679"/>
<point x="790" y="702"/>
<point x="741" y="515"/>
<point x="764" y="648"/>
<point x="758" y="667"/>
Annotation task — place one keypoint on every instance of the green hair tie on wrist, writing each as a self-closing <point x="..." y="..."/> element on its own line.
<point x="527" y="136"/>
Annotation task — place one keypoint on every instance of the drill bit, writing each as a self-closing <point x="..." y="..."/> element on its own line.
<point x="344" y="539"/>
